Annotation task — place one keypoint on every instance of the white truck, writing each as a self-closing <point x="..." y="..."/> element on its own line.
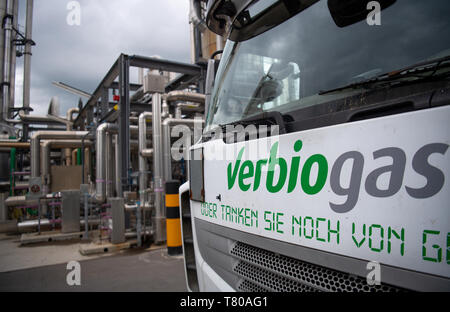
<point x="325" y="163"/>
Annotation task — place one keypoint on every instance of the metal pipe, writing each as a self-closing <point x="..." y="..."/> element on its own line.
<point x="87" y="163"/>
<point x="109" y="165"/>
<point x="12" y="83"/>
<point x="27" y="54"/>
<point x="71" y="89"/>
<point x="7" y="37"/>
<point x="43" y="119"/>
<point x="184" y="96"/>
<point x="13" y="201"/>
<point x="74" y="157"/>
<point x="45" y="155"/>
<point x="70" y="118"/>
<point x="176" y="96"/>
<point x="45" y="223"/>
<point x="117" y="164"/>
<point x="49" y="135"/>
<point x="15" y="145"/>
<point x="100" y="190"/>
<point x="160" y="236"/>
<point x="143" y="166"/>
<point x="146" y="153"/>
<point x="72" y="111"/>
<point x="68" y="157"/>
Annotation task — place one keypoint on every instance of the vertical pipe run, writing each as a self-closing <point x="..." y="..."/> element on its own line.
<point x="27" y="55"/>
<point x="87" y="165"/>
<point x="102" y="160"/>
<point x="12" y="88"/>
<point x="143" y="170"/>
<point x="109" y="165"/>
<point x="160" y="235"/>
<point x="7" y="29"/>
<point x="143" y="166"/>
<point x="117" y="164"/>
<point x="74" y="157"/>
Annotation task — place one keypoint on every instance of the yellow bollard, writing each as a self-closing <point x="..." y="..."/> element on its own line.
<point x="173" y="222"/>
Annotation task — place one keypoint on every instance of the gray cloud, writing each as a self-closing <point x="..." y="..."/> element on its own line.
<point x="81" y="55"/>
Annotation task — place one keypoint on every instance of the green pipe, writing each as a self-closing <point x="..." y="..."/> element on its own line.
<point x="79" y="162"/>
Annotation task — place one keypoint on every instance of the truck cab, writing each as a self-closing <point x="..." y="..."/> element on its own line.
<point x="324" y="163"/>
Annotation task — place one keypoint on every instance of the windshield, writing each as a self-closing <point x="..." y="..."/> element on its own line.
<point x="290" y="65"/>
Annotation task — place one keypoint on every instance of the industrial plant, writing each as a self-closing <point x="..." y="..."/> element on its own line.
<point x="100" y="173"/>
<point x="304" y="147"/>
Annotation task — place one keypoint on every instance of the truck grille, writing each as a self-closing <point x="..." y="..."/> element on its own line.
<point x="263" y="270"/>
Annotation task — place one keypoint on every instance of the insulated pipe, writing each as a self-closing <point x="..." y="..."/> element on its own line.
<point x="109" y="165"/>
<point x="87" y="163"/>
<point x="49" y="135"/>
<point x="194" y="17"/>
<point x="177" y="96"/>
<point x="166" y="126"/>
<point x="159" y="223"/>
<point x="56" y="144"/>
<point x="70" y="113"/>
<point x="74" y="157"/>
<point x="146" y="153"/>
<point x="101" y="163"/>
<point x="68" y="157"/>
<point x="143" y="167"/>
<point x="118" y="183"/>
<point x="43" y="119"/>
<point x="27" y="226"/>
<point x="45" y="154"/>
<point x="13" y="201"/>
<point x="27" y="55"/>
<point x="15" y="145"/>
<point x="7" y="37"/>
<point x="70" y="118"/>
<point x="12" y="85"/>
<point x="184" y="96"/>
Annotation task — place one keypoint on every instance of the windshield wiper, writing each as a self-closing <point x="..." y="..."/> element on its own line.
<point x="265" y="118"/>
<point x="395" y="76"/>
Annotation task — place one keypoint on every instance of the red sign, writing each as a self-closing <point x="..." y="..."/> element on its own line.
<point x="35" y="189"/>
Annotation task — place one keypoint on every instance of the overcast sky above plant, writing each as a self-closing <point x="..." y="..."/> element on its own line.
<point x="81" y="55"/>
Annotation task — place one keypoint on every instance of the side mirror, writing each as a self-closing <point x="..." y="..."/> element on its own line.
<point x="349" y="12"/>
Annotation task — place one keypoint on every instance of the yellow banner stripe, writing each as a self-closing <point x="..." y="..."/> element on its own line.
<point x="173" y="232"/>
<point x="172" y="200"/>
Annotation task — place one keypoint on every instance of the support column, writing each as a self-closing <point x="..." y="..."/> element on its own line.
<point x="160" y="215"/>
<point x="124" y="123"/>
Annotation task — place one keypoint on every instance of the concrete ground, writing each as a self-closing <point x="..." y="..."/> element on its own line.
<point x="44" y="268"/>
<point x="14" y="257"/>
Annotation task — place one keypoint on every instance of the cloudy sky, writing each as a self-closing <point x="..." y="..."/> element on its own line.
<point x="81" y="55"/>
